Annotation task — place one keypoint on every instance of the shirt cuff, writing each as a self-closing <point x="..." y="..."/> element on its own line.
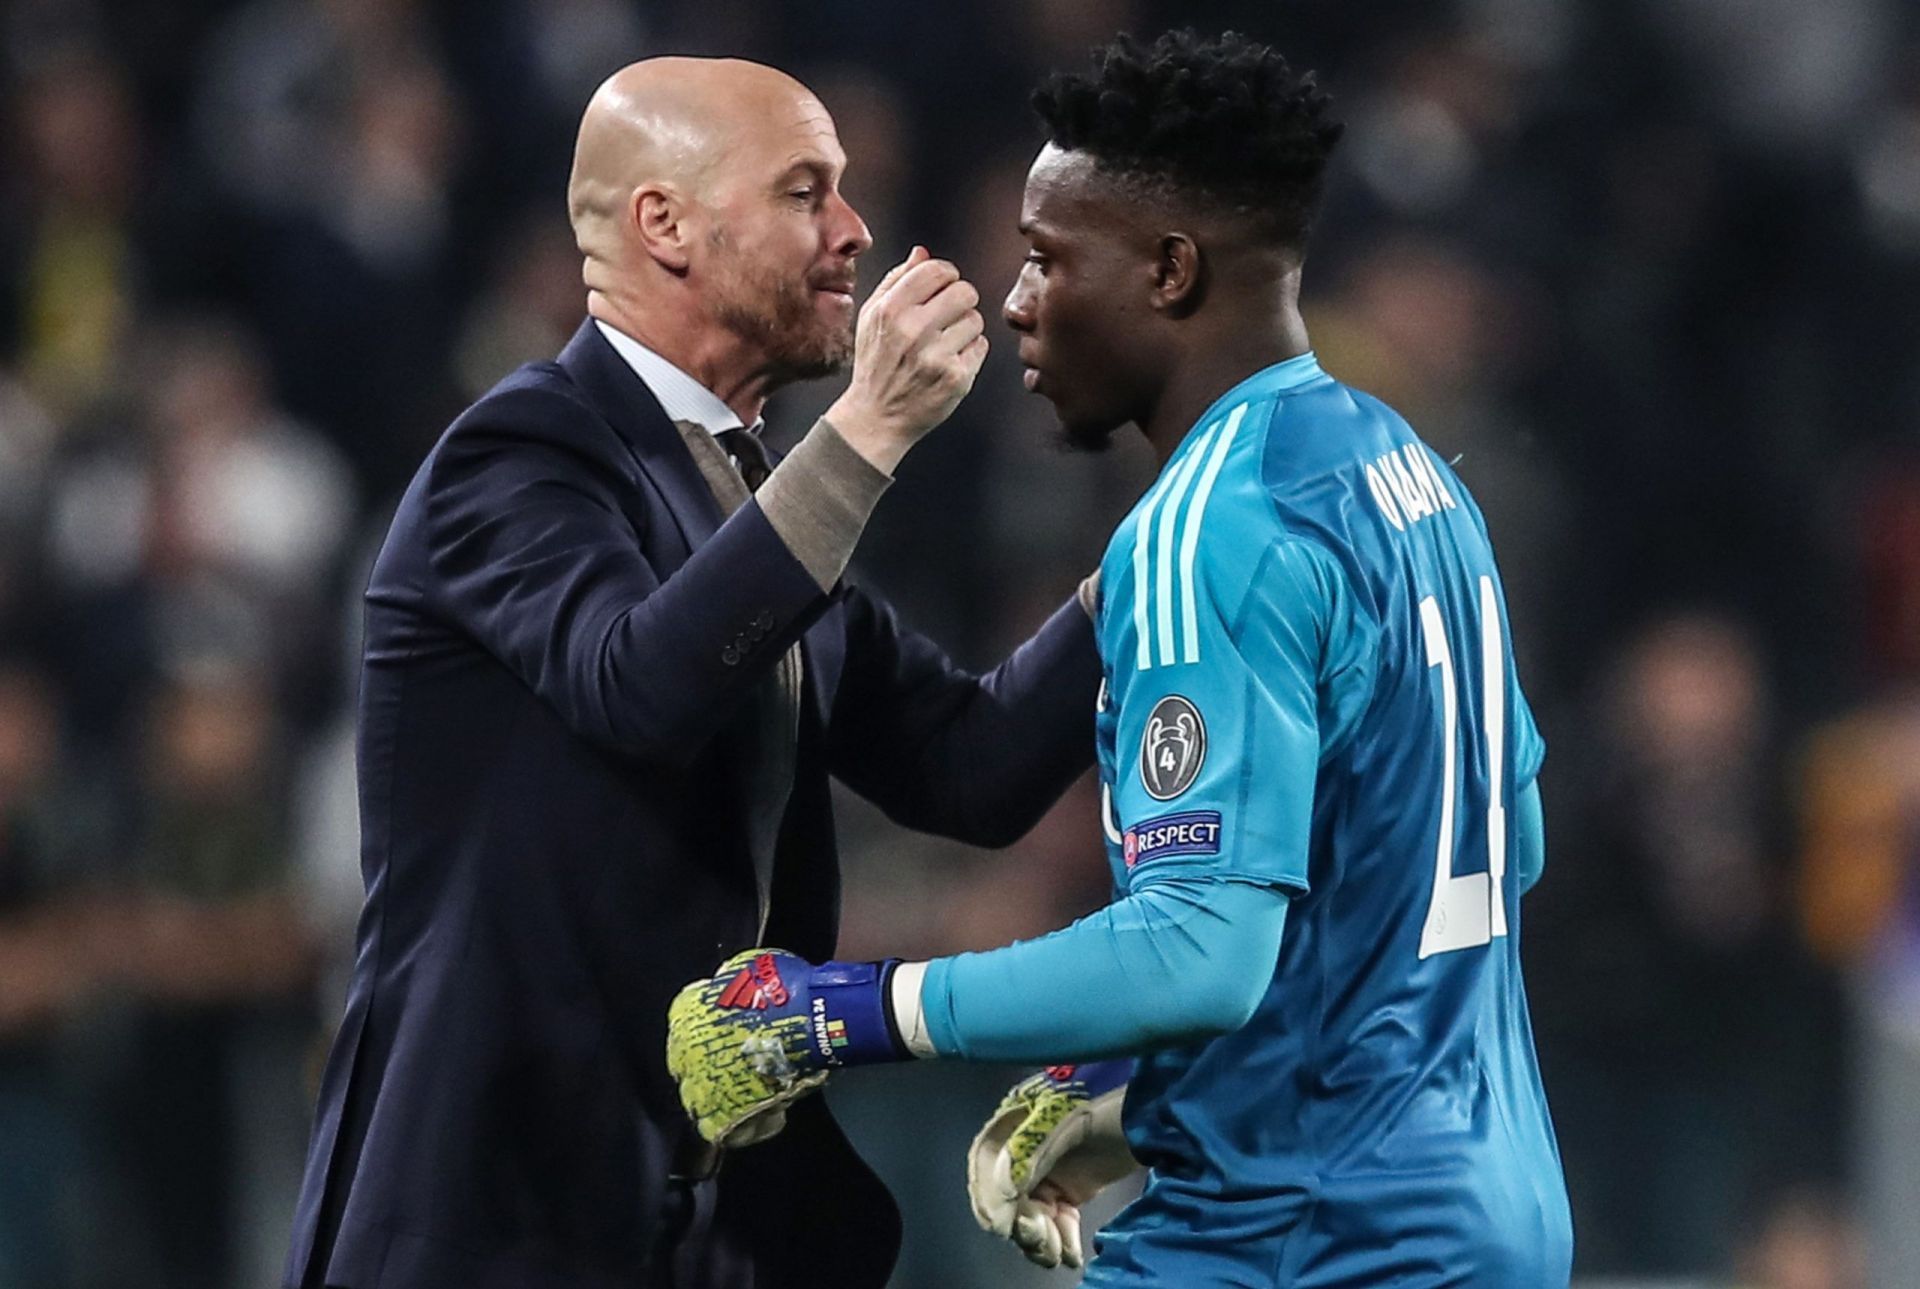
<point x="1089" y="595"/>
<point x="909" y="1013"/>
<point x="819" y="500"/>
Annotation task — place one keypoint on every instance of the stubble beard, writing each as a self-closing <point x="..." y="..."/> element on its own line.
<point x="776" y="315"/>
<point x="1084" y="438"/>
<point x="1083" y="433"/>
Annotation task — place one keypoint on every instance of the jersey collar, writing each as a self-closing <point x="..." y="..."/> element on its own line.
<point x="1283" y="377"/>
<point x="1289" y="374"/>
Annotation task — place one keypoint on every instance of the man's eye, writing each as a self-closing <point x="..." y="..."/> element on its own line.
<point x="801" y="194"/>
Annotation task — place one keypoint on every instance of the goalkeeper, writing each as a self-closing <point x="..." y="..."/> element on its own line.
<point x="1303" y="1011"/>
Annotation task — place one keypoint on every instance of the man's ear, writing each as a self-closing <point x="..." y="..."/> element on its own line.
<point x="658" y="215"/>
<point x="1179" y="275"/>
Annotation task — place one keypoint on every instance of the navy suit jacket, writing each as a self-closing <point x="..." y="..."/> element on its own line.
<point x="561" y="636"/>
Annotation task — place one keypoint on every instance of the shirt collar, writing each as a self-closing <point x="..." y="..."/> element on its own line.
<point x="681" y="397"/>
<point x="1280" y="378"/>
<point x="1283" y="376"/>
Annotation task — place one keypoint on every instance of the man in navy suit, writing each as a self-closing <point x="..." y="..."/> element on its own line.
<point x="610" y="665"/>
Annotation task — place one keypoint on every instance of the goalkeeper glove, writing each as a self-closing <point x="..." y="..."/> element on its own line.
<point x="749" y="1041"/>
<point x="1053" y="1144"/>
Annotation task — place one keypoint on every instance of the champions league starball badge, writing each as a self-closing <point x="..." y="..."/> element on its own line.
<point x="1172" y="748"/>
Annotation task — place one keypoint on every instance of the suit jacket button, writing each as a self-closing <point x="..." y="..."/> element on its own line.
<point x="764" y="621"/>
<point x="730" y="656"/>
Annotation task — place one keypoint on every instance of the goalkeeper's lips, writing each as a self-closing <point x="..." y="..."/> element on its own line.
<point x="1031" y="375"/>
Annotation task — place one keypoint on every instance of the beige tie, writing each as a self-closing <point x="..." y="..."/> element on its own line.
<point x="776" y="704"/>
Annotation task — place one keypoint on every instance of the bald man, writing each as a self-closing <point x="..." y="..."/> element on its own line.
<point x="610" y="665"/>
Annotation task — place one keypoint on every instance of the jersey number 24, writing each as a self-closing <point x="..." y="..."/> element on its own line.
<point x="1468" y="910"/>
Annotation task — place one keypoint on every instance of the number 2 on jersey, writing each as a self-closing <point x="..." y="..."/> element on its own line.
<point x="1468" y="910"/>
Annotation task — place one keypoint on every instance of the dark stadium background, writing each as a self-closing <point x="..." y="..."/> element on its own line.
<point x="1649" y="268"/>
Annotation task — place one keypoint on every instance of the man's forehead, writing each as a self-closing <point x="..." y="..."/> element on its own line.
<point x="1066" y="188"/>
<point x="1055" y="166"/>
<point x="801" y="135"/>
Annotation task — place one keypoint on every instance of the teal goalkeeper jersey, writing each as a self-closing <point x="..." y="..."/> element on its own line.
<point x="1309" y="684"/>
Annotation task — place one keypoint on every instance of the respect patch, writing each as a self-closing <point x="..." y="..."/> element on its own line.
<point x="1194" y="832"/>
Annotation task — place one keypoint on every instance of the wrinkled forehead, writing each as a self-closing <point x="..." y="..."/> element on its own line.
<point x="768" y="134"/>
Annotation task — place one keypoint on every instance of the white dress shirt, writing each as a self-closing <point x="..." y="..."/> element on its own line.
<point x="681" y="397"/>
<point x="818" y="500"/>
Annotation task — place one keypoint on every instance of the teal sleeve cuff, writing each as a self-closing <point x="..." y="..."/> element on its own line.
<point x="1180" y="959"/>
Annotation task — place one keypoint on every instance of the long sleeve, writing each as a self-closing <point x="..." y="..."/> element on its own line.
<point x="975" y="757"/>
<point x="1181" y="959"/>
<point x="530" y="553"/>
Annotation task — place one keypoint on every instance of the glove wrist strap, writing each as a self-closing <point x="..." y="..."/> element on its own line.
<point x="1093" y="1078"/>
<point x="851" y="1019"/>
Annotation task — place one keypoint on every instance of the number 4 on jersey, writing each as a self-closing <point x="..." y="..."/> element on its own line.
<point x="1468" y="909"/>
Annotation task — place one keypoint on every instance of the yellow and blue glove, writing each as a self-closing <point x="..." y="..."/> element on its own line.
<point x="761" y="1033"/>
<point x="1053" y="1144"/>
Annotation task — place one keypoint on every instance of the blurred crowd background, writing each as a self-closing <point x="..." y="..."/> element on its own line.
<point x="1650" y="269"/>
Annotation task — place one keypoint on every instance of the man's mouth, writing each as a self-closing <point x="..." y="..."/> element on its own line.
<point x="840" y="288"/>
<point x="1031" y="376"/>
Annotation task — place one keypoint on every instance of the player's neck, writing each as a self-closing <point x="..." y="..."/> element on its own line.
<point x="1214" y="366"/>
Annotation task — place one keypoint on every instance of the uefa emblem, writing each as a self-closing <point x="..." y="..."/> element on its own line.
<point x="1172" y="748"/>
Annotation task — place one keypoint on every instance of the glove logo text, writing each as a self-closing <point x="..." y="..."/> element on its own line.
<point x="757" y="987"/>
<point x="827" y="1034"/>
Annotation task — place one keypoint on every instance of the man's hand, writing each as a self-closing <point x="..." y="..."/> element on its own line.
<point x="918" y="346"/>
<point x="1053" y="1144"/>
<point x="746" y="1043"/>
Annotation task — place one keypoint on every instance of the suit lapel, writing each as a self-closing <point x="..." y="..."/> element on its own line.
<point x="620" y="396"/>
<point x="665" y="460"/>
<point x="623" y="399"/>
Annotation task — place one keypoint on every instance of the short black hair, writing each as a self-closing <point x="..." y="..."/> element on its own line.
<point x="1220" y="119"/>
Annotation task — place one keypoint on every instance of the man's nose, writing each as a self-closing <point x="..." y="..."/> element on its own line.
<point x="850" y="235"/>
<point x="1018" y="308"/>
